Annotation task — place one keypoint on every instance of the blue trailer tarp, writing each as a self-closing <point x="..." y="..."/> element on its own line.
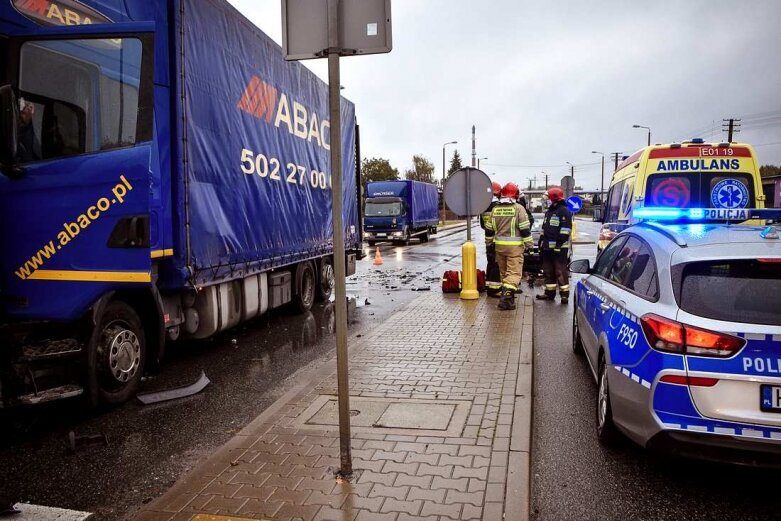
<point x="255" y="180"/>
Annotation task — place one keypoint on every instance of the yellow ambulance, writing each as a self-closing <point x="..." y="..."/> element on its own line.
<point x="692" y="174"/>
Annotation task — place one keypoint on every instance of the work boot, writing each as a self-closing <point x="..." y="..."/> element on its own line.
<point x="507" y="300"/>
<point x="564" y="300"/>
<point x="545" y="296"/>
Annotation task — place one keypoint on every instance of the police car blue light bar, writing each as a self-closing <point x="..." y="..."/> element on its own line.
<point x="652" y="213"/>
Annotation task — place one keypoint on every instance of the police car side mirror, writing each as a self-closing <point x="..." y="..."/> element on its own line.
<point x="9" y="129"/>
<point x="580" y="266"/>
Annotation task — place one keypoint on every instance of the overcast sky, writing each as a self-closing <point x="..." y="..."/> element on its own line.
<point x="548" y="81"/>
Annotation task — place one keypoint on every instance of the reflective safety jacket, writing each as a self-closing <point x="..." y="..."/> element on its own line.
<point x="510" y="224"/>
<point x="485" y="222"/>
<point x="556" y="227"/>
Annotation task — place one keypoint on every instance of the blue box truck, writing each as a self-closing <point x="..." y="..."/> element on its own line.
<point x="164" y="174"/>
<point x="400" y="210"/>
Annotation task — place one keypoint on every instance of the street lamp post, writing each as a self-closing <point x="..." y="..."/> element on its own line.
<point x="649" y="132"/>
<point x="478" y="161"/>
<point x="444" y="172"/>
<point x="602" y="189"/>
<point x="572" y="170"/>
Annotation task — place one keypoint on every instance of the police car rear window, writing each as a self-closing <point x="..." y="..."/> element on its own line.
<point x="746" y="291"/>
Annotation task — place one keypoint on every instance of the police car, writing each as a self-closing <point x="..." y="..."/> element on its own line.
<point x="681" y="327"/>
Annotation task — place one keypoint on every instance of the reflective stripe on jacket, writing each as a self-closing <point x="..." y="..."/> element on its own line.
<point x="556" y="227"/>
<point x="510" y="224"/>
<point x="485" y="223"/>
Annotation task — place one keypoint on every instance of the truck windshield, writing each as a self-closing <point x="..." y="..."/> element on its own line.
<point x="700" y="190"/>
<point x="383" y="209"/>
<point x="78" y="96"/>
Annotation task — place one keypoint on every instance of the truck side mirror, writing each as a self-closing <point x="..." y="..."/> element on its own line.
<point x="9" y="130"/>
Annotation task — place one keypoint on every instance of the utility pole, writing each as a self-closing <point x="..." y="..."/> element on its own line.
<point x="616" y="156"/>
<point x="474" y="149"/>
<point x="530" y="182"/>
<point x="546" y="181"/>
<point x="572" y="170"/>
<point x="602" y="189"/>
<point x="731" y="126"/>
<point x="444" y="174"/>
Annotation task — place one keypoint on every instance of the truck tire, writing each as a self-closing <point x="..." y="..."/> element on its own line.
<point x="325" y="280"/>
<point x="371" y="244"/>
<point x="424" y="236"/>
<point x="305" y="286"/>
<point x="405" y="242"/>
<point x="116" y="355"/>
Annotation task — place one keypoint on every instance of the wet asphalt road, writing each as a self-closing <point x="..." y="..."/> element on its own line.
<point x="149" y="448"/>
<point x="575" y="478"/>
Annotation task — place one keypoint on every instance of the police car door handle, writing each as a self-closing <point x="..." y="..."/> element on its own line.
<point x="603" y="306"/>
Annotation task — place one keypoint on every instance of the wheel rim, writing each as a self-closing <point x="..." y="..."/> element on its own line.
<point x="327" y="277"/>
<point x="120" y="352"/>
<point x="308" y="287"/>
<point x="603" y="397"/>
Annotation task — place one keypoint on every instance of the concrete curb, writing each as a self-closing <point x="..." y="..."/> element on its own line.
<point x="518" y="492"/>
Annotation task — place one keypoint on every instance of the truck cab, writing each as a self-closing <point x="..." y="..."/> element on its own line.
<point x="385" y="218"/>
<point x="400" y="210"/>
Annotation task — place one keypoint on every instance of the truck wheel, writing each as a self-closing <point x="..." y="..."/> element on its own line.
<point x="305" y="285"/>
<point x="371" y="244"/>
<point x="116" y="355"/>
<point x="406" y="239"/>
<point x="424" y="237"/>
<point x="325" y="283"/>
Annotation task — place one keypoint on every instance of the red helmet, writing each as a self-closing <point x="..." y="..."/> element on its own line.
<point x="510" y="190"/>
<point x="555" y="194"/>
<point x="497" y="188"/>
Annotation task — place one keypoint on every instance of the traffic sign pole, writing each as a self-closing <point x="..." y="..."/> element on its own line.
<point x="340" y="287"/>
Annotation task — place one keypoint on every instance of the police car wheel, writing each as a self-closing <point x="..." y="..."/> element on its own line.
<point x="606" y="429"/>
<point x="577" y="342"/>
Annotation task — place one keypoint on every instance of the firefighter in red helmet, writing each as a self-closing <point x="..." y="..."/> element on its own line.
<point x="556" y="232"/>
<point x="493" y="281"/>
<point x="512" y="233"/>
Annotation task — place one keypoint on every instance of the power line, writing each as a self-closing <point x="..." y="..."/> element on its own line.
<point x="500" y="165"/>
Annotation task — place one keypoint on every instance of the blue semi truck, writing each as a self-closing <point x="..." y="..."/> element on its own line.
<point x="400" y="210"/>
<point x="164" y="175"/>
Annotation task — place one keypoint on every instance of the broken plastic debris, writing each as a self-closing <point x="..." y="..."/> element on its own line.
<point x="76" y="443"/>
<point x="173" y="394"/>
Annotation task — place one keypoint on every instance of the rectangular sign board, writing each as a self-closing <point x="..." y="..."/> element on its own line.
<point x="364" y="28"/>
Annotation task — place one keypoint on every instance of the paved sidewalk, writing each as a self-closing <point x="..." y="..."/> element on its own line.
<point x="441" y="397"/>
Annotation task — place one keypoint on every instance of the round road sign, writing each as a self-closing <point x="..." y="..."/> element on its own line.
<point x="575" y="204"/>
<point x="468" y="191"/>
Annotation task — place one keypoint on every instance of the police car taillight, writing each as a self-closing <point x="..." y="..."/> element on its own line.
<point x="663" y="334"/>
<point x="668" y="335"/>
